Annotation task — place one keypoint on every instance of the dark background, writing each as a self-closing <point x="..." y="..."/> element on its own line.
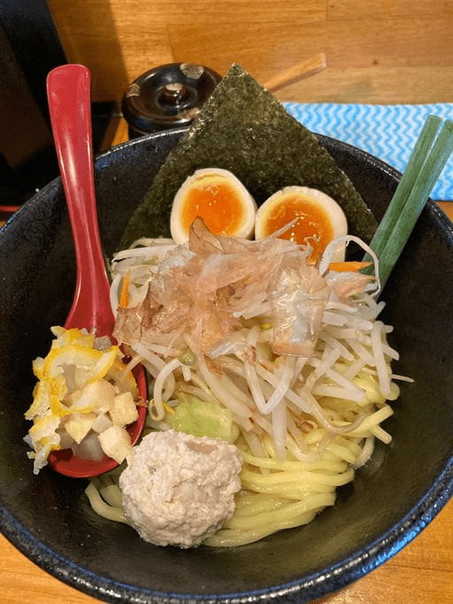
<point x="29" y="49"/>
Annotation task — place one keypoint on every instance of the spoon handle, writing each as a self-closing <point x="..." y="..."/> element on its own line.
<point x="68" y="91"/>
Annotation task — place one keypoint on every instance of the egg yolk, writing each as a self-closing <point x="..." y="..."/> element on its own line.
<point x="312" y="228"/>
<point x="217" y="203"/>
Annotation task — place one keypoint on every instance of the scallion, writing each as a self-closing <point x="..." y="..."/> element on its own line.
<point x="418" y="196"/>
<point x="419" y="153"/>
<point x="424" y="167"/>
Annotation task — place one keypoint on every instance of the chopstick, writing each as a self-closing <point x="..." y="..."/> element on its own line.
<point x="297" y="72"/>
<point x="424" y="168"/>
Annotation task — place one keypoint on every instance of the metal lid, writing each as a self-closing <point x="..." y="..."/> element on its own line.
<point x="168" y="96"/>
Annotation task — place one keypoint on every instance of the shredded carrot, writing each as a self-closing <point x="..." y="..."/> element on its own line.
<point x="348" y="267"/>
<point x="124" y="294"/>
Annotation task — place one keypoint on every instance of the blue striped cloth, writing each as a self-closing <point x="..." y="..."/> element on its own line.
<point x="386" y="131"/>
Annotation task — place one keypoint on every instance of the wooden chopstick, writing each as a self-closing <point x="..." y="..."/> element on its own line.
<point x="297" y="72"/>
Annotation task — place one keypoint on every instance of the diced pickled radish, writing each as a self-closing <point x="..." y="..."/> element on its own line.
<point x="123" y="411"/>
<point x="66" y="441"/>
<point x="78" y="425"/>
<point x="115" y="443"/>
<point x="89" y="448"/>
<point x="101" y="423"/>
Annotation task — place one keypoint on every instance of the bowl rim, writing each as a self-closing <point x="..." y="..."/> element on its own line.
<point x="314" y="585"/>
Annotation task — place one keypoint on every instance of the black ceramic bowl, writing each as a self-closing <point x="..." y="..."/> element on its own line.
<point x="393" y="497"/>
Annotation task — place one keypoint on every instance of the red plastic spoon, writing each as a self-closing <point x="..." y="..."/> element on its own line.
<point x="68" y="93"/>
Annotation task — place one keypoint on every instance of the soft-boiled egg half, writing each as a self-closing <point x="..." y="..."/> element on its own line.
<point x="319" y="219"/>
<point x="219" y="198"/>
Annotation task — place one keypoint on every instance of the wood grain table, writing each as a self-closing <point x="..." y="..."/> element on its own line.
<point x="378" y="51"/>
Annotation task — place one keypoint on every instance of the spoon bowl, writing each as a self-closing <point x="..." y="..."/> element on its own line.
<point x="68" y="92"/>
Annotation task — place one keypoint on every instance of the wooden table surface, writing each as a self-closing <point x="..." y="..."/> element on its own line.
<point x="378" y="51"/>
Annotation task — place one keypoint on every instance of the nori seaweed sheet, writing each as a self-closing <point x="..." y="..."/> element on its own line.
<point x="244" y="129"/>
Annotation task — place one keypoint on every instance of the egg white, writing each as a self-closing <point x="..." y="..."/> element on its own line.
<point x="246" y="227"/>
<point x="329" y="206"/>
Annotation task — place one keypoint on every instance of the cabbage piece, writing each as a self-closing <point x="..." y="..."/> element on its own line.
<point x="80" y="356"/>
<point x="67" y="337"/>
<point x="200" y="418"/>
<point x="43" y="438"/>
<point x="38" y="367"/>
<point x="41" y="401"/>
<point x="44" y="428"/>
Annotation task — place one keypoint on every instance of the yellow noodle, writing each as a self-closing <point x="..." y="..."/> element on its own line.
<point x="103" y="509"/>
<point x="373" y="420"/>
<point x="286" y="513"/>
<point x="274" y="464"/>
<point x="384" y="436"/>
<point x="291" y="490"/>
<point x="257" y="504"/>
<point x="112" y="495"/>
<point x="234" y="538"/>
<point x="304" y="478"/>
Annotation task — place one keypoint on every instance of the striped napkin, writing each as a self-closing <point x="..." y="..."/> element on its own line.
<point x="386" y="131"/>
